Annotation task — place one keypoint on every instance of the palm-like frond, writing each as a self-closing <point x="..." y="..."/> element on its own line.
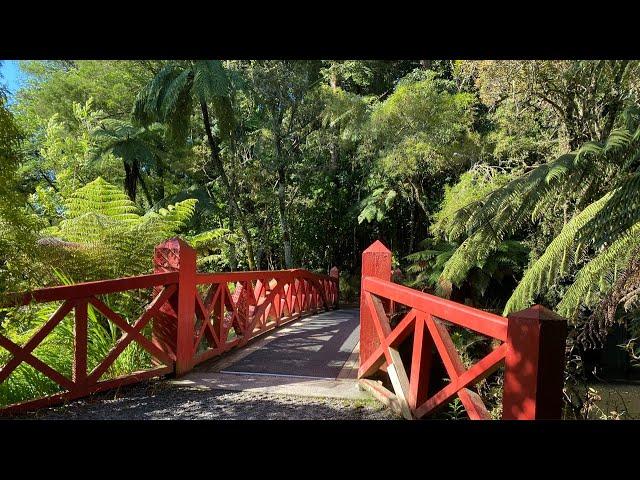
<point x="170" y="97"/>
<point x="101" y="198"/>
<point x="147" y="107"/>
<point x="621" y="213"/>
<point x="600" y="181"/>
<point x="127" y="142"/>
<point x="110" y="238"/>
<point x="555" y="261"/>
<point x="599" y="274"/>
<point x="210" y="80"/>
<point x="427" y="265"/>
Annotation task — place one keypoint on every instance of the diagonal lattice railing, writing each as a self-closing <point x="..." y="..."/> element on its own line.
<point x="76" y="299"/>
<point x="531" y="345"/>
<point x="186" y="317"/>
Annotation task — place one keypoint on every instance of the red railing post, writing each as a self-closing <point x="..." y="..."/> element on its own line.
<point x="173" y="328"/>
<point x="376" y="262"/>
<point x="80" y="345"/>
<point x="534" y="365"/>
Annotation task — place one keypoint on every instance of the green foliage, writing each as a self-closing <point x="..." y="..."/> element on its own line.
<point x="17" y="228"/>
<point x="140" y="149"/>
<point x="592" y="245"/>
<point x="555" y="262"/>
<point x="376" y="205"/>
<point x="313" y="160"/>
<point x="54" y="87"/>
<point x="107" y="235"/>
<point x="169" y="98"/>
<point x="472" y="186"/>
<point x="56" y="350"/>
<point x="349" y="288"/>
<point x="420" y="135"/>
<point x="493" y="276"/>
<point x="213" y="247"/>
<point x="304" y="163"/>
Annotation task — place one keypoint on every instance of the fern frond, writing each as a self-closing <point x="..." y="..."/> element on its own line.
<point x="110" y="239"/>
<point x="600" y="271"/>
<point x="210" y="80"/>
<point x="621" y="212"/>
<point x="175" y="94"/>
<point x="554" y="262"/>
<point x="101" y="197"/>
<point x="148" y="103"/>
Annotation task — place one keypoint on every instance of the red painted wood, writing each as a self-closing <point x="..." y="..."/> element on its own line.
<point x="274" y="299"/>
<point x="397" y="335"/>
<point x="380" y="322"/>
<point x="534" y="365"/>
<point x="35" y="362"/>
<point x="447" y="350"/>
<point x="261" y="301"/>
<point x="80" y="343"/>
<point x="421" y="361"/>
<point x="123" y="325"/>
<point x="482" y="322"/>
<point x="131" y="378"/>
<point x="173" y="329"/>
<point x="533" y="351"/>
<point x="376" y="263"/>
<point x="128" y="337"/>
<point x="87" y="289"/>
<point x="474" y="405"/>
<point x="21" y="354"/>
<point x="477" y="372"/>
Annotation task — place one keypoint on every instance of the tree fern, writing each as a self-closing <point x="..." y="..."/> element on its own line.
<point x="102" y="198"/>
<point x="555" y="262"/>
<point x="599" y="182"/>
<point x="427" y="266"/>
<point x="599" y="274"/>
<point x="109" y="237"/>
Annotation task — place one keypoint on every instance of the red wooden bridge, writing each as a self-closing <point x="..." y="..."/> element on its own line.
<point x="189" y="318"/>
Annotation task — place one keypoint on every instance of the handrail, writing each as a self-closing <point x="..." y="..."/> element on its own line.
<point x="202" y="278"/>
<point x="87" y="289"/>
<point x="262" y="300"/>
<point x="468" y="317"/>
<point x="76" y="300"/>
<point x="532" y="349"/>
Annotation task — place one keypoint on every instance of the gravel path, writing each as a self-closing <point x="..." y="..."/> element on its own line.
<point x="161" y="401"/>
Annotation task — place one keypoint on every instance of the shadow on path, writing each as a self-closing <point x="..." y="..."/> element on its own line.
<point x="317" y="346"/>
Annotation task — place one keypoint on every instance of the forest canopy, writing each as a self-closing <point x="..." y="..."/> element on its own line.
<point x="495" y="183"/>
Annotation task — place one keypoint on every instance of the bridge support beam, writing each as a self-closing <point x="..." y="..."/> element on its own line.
<point x="534" y="365"/>
<point x="173" y="328"/>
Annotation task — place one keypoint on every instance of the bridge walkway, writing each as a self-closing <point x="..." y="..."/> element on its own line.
<point x="314" y="356"/>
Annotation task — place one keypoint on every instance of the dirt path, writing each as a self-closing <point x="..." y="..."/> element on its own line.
<point x="162" y="401"/>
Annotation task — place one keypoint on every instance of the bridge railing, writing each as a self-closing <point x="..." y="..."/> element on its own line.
<point x="186" y="317"/>
<point x="530" y="344"/>
<point x="220" y="311"/>
<point x="76" y="300"/>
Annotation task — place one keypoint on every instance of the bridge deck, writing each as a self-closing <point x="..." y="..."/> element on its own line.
<point x="313" y="356"/>
<point x="316" y="346"/>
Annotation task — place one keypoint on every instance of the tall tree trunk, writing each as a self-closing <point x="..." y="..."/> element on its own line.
<point x="143" y="185"/>
<point x="160" y="187"/>
<point x="130" y="180"/>
<point x="412" y="227"/>
<point x="233" y="261"/>
<point x="284" y="224"/>
<point x="217" y="162"/>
